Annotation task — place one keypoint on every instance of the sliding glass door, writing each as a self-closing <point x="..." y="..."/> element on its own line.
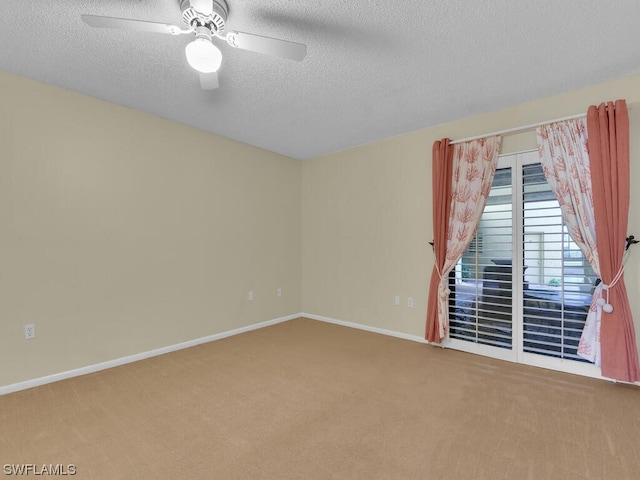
<point x="522" y="289"/>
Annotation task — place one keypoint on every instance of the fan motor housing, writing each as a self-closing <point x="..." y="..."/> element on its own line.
<point x="214" y="22"/>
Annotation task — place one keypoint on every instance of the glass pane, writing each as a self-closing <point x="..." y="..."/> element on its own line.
<point x="481" y="285"/>
<point x="557" y="280"/>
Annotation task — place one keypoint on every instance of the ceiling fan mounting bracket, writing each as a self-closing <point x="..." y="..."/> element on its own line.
<point x="215" y="21"/>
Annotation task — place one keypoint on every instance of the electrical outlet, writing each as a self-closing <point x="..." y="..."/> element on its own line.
<point x="29" y="331"/>
<point x="250" y="296"/>
<point x="279" y="292"/>
<point x="397" y="300"/>
<point x="410" y="302"/>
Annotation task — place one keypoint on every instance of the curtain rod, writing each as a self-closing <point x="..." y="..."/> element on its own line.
<point x="523" y="128"/>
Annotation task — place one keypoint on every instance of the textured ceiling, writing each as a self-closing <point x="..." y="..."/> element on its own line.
<point x="374" y="68"/>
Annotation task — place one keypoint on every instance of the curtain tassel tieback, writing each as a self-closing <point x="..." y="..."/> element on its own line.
<point x="601" y="302"/>
<point x="446" y="290"/>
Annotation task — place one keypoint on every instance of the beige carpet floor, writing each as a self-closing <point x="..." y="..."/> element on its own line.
<point x="309" y="400"/>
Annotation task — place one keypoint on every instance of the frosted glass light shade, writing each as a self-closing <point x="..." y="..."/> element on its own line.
<point x="203" y="55"/>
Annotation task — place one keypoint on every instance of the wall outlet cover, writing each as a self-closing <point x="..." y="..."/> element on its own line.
<point x="29" y="331"/>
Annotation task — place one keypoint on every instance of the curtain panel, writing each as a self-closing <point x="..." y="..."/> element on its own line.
<point x="473" y="169"/>
<point x="442" y="174"/>
<point x="608" y="132"/>
<point x="564" y="155"/>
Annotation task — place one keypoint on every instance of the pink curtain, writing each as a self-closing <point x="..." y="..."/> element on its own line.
<point x="608" y="131"/>
<point x="474" y="165"/>
<point x="564" y="155"/>
<point x="442" y="170"/>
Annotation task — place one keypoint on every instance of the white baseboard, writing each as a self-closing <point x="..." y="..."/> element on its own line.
<point x="382" y="331"/>
<point x="583" y="371"/>
<point x="15" y="387"/>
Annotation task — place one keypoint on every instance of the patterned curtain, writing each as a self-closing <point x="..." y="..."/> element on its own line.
<point x="596" y="209"/>
<point x="564" y="155"/>
<point x="474" y="165"/>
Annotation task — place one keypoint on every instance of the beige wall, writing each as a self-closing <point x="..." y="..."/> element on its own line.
<point x="116" y="238"/>
<point x="367" y="220"/>
<point x="121" y="232"/>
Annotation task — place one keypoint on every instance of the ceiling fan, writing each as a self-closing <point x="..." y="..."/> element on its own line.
<point x="206" y="19"/>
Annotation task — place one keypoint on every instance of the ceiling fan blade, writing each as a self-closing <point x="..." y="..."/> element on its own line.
<point x="267" y="45"/>
<point x="209" y="81"/>
<point x="204" y="7"/>
<point x="128" y="24"/>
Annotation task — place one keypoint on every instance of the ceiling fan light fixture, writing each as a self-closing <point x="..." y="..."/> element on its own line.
<point x="203" y="55"/>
